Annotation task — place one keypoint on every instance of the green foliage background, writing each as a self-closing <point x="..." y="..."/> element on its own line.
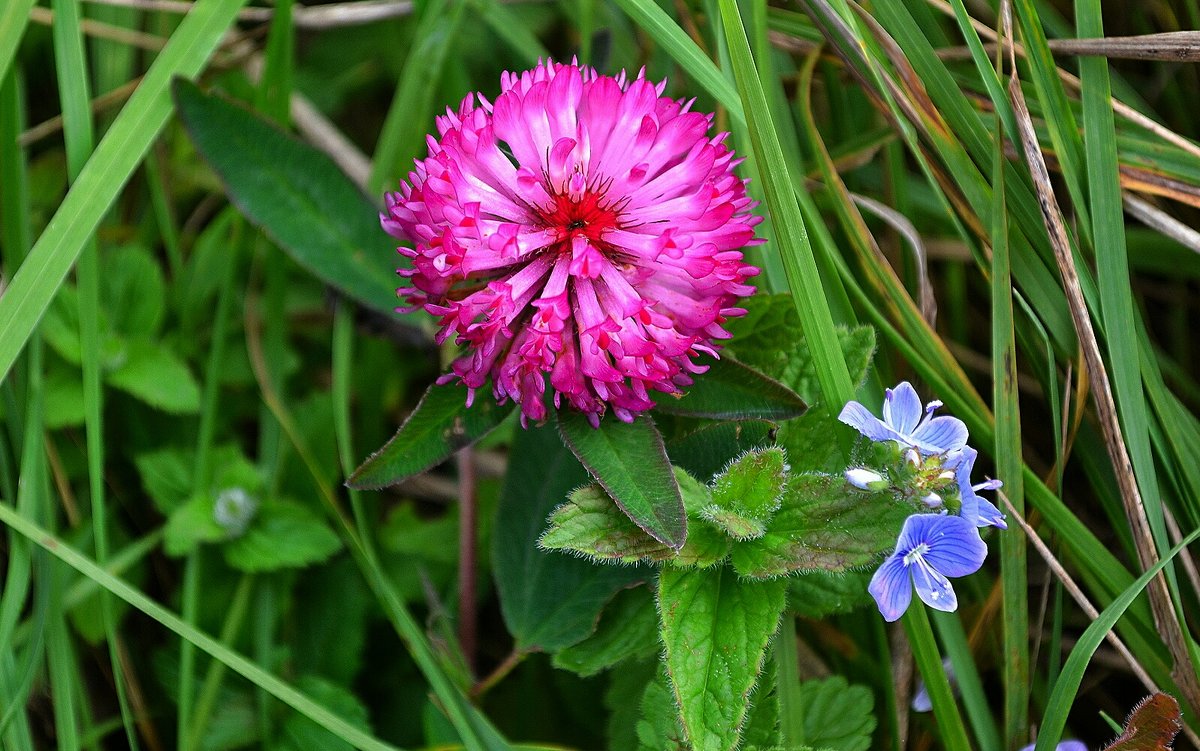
<point x="174" y="326"/>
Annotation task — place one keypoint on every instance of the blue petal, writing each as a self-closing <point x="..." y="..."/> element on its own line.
<point x="860" y="418"/>
<point x="1071" y="746"/>
<point x="933" y="588"/>
<point x="902" y="408"/>
<point x="955" y="548"/>
<point x="891" y="588"/>
<point x="921" y="701"/>
<point x="987" y="515"/>
<point x="941" y="434"/>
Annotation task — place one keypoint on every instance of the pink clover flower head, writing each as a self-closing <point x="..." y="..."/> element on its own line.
<point x="581" y="233"/>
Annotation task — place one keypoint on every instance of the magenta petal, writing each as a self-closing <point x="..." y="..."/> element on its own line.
<point x="618" y="189"/>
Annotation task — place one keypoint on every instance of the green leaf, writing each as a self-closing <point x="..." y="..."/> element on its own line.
<point x="628" y="629"/>
<point x="134" y="291"/>
<point x="715" y="628"/>
<point x="770" y="338"/>
<point x="156" y="376"/>
<point x="730" y="390"/>
<point x="440" y="424"/>
<point x="703" y="448"/>
<point x="748" y="492"/>
<point x="621" y="699"/>
<point x="706" y="544"/>
<point x="300" y="733"/>
<point x="296" y="194"/>
<point x="837" y="715"/>
<point x="823" y="524"/>
<point x="549" y="600"/>
<point x="816" y="594"/>
<point x="762" y="725"/>
<point x="590" y="523"/>
<point x="191" y="524"/>
<point x="64" y="399"/>
<point x="658" y="726"/>
<point x="282" y="535"/>
<point x="630" y="461"/>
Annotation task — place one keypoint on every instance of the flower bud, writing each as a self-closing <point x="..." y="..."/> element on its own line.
<point x="866" y="479"/>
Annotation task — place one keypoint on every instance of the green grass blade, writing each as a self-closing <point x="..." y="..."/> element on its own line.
<point x="925" y="654"/>
<point x="236" y="662"/>
<point x="1067" y="685"/>
<point x="119" y="153"/>
<point x="662" y="29"/>
<point x="1013" y="573"/>
<point x="791" y="236"/>
<point x="14" y="15"/>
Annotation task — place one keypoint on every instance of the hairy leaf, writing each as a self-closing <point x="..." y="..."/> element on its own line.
<point x="837" y="715"/>
<point x="715" y="628"/>
<point x="628" y="629"/>
<point x="748" y="492"/>
<point x="630" y="461"/>
<point x="823" y="524"/>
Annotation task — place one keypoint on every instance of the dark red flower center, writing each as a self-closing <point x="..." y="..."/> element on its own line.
<point x="588" y="216"/>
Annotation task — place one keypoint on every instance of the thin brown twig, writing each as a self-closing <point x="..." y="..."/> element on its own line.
<point x="1119" y="107"/>
<point x="1171" y="46"/>
<point x="506" y="666"/>
<point x="1160" y="598"/>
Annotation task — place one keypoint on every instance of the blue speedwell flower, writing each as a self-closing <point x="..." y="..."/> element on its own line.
<point x="974" y="506"/>
<point x="1064" y="746"/>
<point x="905" y="422"/>
<point x="931" y="548"/>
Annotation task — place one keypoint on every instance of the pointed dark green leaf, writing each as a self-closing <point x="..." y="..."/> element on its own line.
<point x="296" y="194"/>
<point x="730" y="390"/>
<point x="824" y="524"/>
<point x="441" y="424"/>
<point x="549" y="600"/>
<point x="630" y="462"/>
<point x="715" y="628"/>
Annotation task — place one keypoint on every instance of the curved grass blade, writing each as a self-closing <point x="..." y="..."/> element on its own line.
<point x="1067" y="685"/>
<point x="236" y="662"/>
<point x="440" y="424"/>
<point x="105" y="174"/>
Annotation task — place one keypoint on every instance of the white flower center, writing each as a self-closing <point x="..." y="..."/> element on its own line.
<point x="916" y="554"/>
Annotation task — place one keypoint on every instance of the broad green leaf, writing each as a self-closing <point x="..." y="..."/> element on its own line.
<point x="837" y="715"/>
<point x="190" y="525"/>
<point x="440" y="424"/>
<point x="748" y="492"/>
<point x="64" y="400"/>
<point x="622" y="700"/>
<point x="762" y="725"/>
<point x="630" y="462"/>
<point x="549" y="600"/>
<point x="134" y="291"/>
<point x="715" y="628"/>
<point x="156" y="376"/>
<point x="704" y="448"/>
<point x="300" y="733"/>
<point x="658" y="722"/>
<point x="282" y="535"/>
<point x="590" y="523"/>
<point x="730" y="390"/>
<point x="823" y="524"/>
<point x="628" y="629"/>
<point x="770" y="338"/>
<point x="816" y="594"/>
<point x="296" y="194"/>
